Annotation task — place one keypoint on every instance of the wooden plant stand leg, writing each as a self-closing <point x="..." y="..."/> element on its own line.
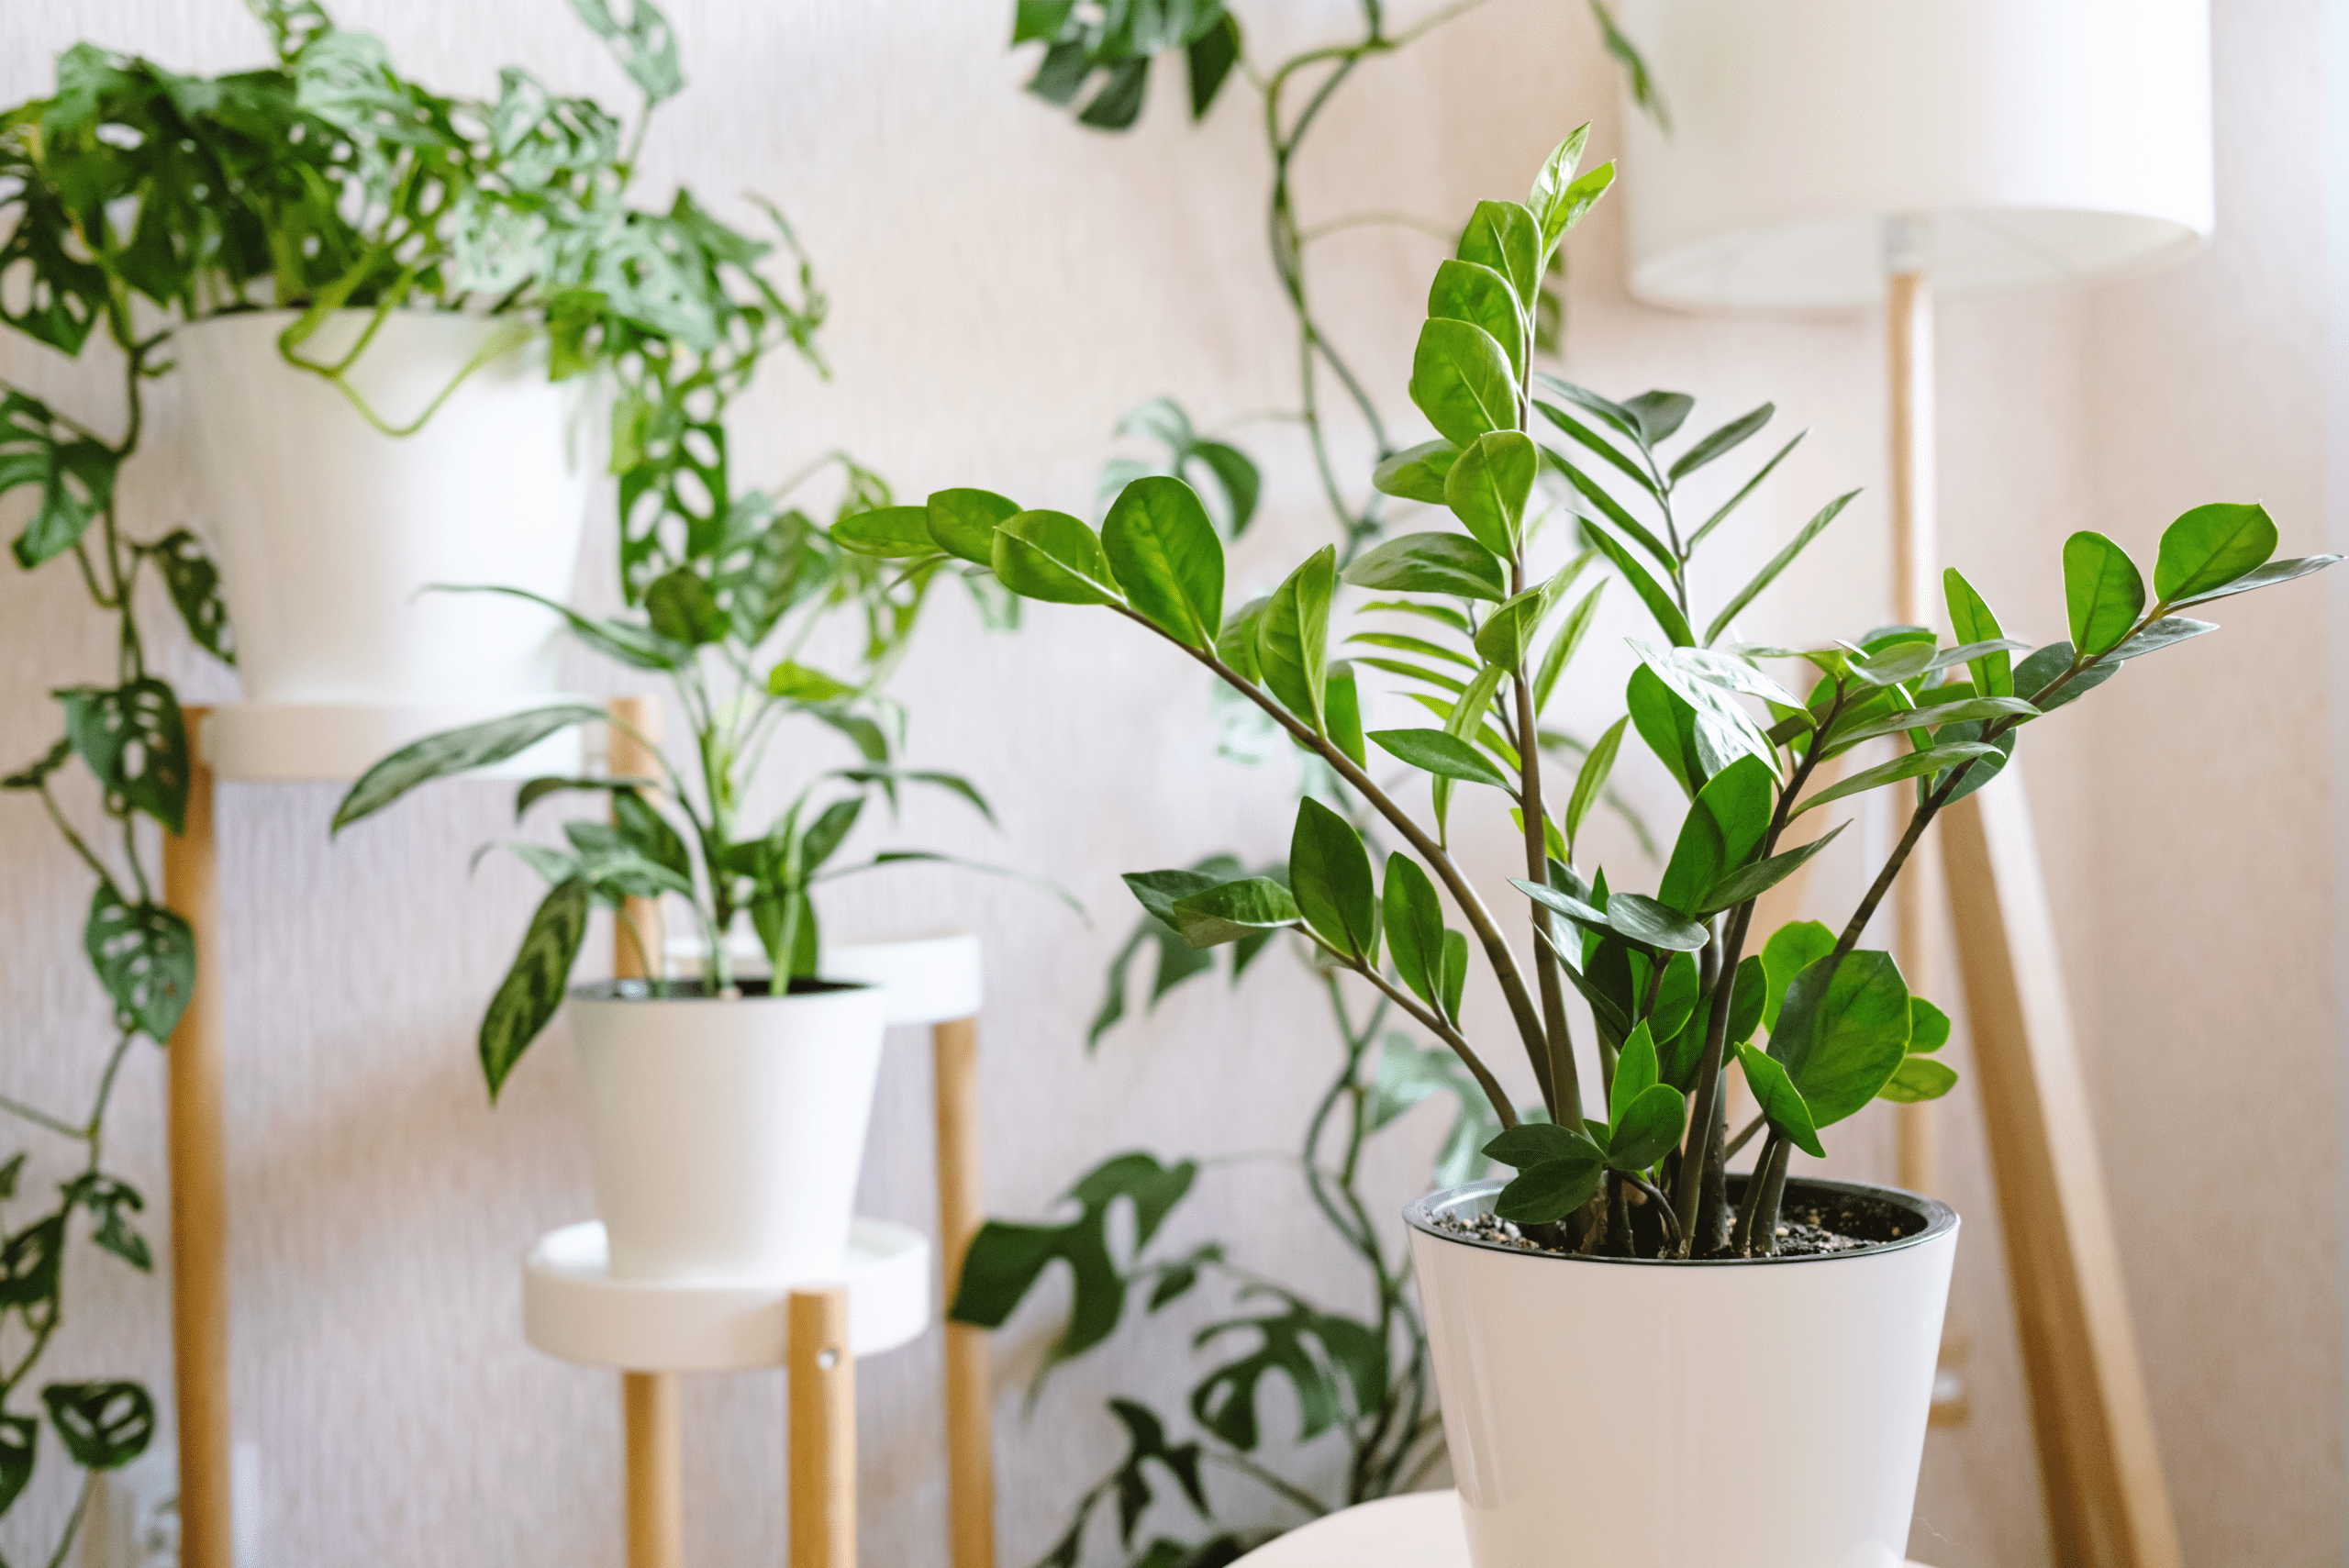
<point x="2107" y="1505"/>
<point x="822" y="1431"/>
<point x="194" y="1092"/>
<point x="656" y="1504"/>
<point x="970" y="1463"/>
<point x="628" y="757"/>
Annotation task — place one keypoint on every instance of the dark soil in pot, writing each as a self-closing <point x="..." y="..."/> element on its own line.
<point x="696" y="990"/>
<point x="1817" y="1218"/>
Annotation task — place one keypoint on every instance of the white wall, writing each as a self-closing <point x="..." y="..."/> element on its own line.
<point x="1005" y="285"/>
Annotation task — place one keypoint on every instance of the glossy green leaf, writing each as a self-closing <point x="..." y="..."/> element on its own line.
<point x="534" y="985"/>
<point x="1912" y="765"/>
<point x="1901" y="720"/>
<point x="1414" y="925"/>
<point x="2208" y="548"/>
<point x="134" y="741"/>
<point x="1723" y="730"/>
<point x="1416" y="473"/>
<point x="1792" y="948"/>
<point x="1780" y="1101"/>
<point x="1505" y="639"/>
<point x="1233" y="910"/>
<point x="1777" y="563"/>
<point x="1341" y="706"/>
<point x="1659" y="602"/>
<point x="1919" y="1078"/>
<point x="2159" y="634"/>
<point x="1330" y="878"/>
<point x="1164" y="551"/>
<point x="1571" y="632"/>
<point x="145" y="959"/>
<point x="1598" y="495"/>
<point x="2267" y="576"/>
<point x="1928" y="1026"/>
<point x="2036" y="677"/>
<point x="1749" y="993"/>
<point x="1970" y="620"/>
<point x="1466" y="291"/>
<point x="1489" y="485"/>
<point x="1052" y="556"/>
<point x="1724" y="827"/>
<point x="1641" y="919"/>
<point x="1841" y="1038"/>
<point x="2102" y="592"/>
<point x="1432" y="563"/>
<point x="1455" y="973"/>
<point x="1506" y="238"/>
<point x="1461" y="380"/>
<point x="1667" y="722"/>
<point x="1659" y="415"/>
<point x="1236" y="643"/>
<point x="1548" y="201"/>
<point x="1293" y="638"/>
<point x="889" y="532"/>
<point x="1735" y="887"/>
<point x="1635" y="1071"/>
<point x="1592" y="778"/>
<point x="1648" y="1127"/>
<point x="1448" y="756"/>
<point x="962" y="522"/>
<point x="1720" y="442"/>
<point x="456" y="751"/>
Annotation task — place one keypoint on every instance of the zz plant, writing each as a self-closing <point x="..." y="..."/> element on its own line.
<point x="1676" y="983"/>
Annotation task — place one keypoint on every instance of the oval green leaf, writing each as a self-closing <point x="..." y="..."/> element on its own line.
<point x="1052" y="556"/>
<point x="1164" y="551"/>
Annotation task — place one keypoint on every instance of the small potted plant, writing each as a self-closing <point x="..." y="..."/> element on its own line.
<point x="331" y="256"/>
<point x="1640" y="1352"/>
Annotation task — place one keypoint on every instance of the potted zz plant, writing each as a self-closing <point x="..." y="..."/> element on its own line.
<point x="1644" y="1357"/>
<point x="328" y="255"/>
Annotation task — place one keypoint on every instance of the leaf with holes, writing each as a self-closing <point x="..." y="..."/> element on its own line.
<point x="194" y="583"/>
<point x="135" y="741"/>
<point x="145" y="957"/>
<point x="104" y="1425"/>
<point x="1333" y="1365"/>
<point x="72" y="476"/>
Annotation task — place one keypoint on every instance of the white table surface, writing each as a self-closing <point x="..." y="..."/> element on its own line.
<point x="1419" y="1531"/>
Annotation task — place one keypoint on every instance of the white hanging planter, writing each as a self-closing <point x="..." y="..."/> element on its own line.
<point x="725" y="1136"/>
<point x="328" y="531"/>
<point x="1634" y="1413"/>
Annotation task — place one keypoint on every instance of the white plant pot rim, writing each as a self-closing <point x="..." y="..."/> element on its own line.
<point x="691" y="991"/>
<point x="1476" y="1197"/>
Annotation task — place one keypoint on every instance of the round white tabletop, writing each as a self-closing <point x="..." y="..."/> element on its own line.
<point x="1420" y="1530"/>
<point x="572" y="1307"/>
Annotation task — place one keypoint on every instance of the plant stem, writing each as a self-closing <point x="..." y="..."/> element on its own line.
<point x="1288" y="1490"/>
<point x="1742" y="1242"/>
<point x="1561" y="1086"/>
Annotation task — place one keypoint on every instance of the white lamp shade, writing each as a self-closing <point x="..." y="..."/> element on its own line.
<point x="2039" y="140"/>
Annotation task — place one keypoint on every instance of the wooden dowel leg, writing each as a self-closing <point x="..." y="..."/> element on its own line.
<point x="656" y="1507"/>
<point x="969" y="1462"/>
<point x="199" y="1186"/>
<point x="823" y="1431"/>
<point x="2108" y="1504"/>
<point x="636" y="934"/>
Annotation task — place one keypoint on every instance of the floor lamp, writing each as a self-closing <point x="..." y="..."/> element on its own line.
<point x="1831" y="155"/>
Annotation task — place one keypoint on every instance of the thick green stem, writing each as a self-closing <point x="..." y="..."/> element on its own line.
<point x="1560" y="1084"/>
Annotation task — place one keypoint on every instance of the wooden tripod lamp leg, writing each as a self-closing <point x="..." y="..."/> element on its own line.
<point x="199" y="1186"/>
<point x="970" y="1463"/>
<point x="656" y="1507"/>
<point x="823" y="1431"/>
<point x="2107" y="1502"/>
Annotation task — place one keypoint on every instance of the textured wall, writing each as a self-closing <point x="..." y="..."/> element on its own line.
<point x="1003" y="287"/>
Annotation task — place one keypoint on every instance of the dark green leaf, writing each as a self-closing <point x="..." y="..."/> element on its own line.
<point x="1164" y="551"/>
<point x="2208" y="548"/>
<point x="109" y="1202"/>
<point x="1448" y="756"/>
<point x="533" y="987"/>
<point x="1293" y="638"/>
<point x="683" y="608"/>
<point x="1648" y="1127"/>
<point x="1211" y="55"/>
<point x="1552" y="1190"/>
<point x="456" y="751"/>
<point x="1899" y="720"/>
<point x="145" y="956"/>
<point x="2103" y="593"/>
<point x="31" y="1264"/>
<point x="133" y="739"/>
<point x="1432" y="563"/>
<point x="194" y="584"/>
<point x="1416" y="473"/>
<point x="1752" y="882"/>
<point x="34" y="775"/>
<point x="1145" y="1443"/>
<point x="1747" y="997"/>
<point x="73" y="475"/>
<point x="2159" y="634"/>
<point x="1414" y="924"/>
<point x="1667" y="722"/>
<point x="1840" y="1039"/>
<point x="1779" y="1100"/>
<point x="1224" y="1402"/>
<point x="19" y="1441"/>
<point x="2265" y="577"/>
<point x="1723" y="829"/>
<point x="1330" y="878"/>
<point x="1635" y="1073"/>
<point x="1792" y="948"/>
<point x="1461" y="380"/>
<point x="104" y="1425"/>
<point x="1723" y="730"/>
<point x="1643" y="920"/>
<point x="1912" y="765"/>
<point x="2035" y="675"/>
<point x="1052" y="556"/>
<point x="1233" y="910"/>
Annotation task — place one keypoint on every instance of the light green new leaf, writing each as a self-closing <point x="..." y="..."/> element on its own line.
<point x="456" y="751"/>
<point x="2209" y="548"/>
<point x="1342" y="707"/>
<point x="1592" y="779"/>
<point x="1461" y="380"/>
<point x="1779" y="1099"/>
<point x="962" y="522"/>
<point x="1651" y="593"/>
<point x="1416" y="473"/>
<point x="1506" y="238"/>
<point x="1635" y="1071"/>
<point x="1970" y="621"/>
<point x="1293" y="638"/>
<point x="889" y="532"/>
<point x="1414" y="921"/>
<point x="1233" y="910"/>
<point x="2102" y="592"/>
<point x="1548" y="199"/>
<point x="1432" y="563"/>
<point x="1489" y="485"/>
<point x="1052" y="556"/>
<point x="1466" y="291"/>
<point x="1434" y="751"/>
<point x="1164" y="551"/>
<point x="1330" y="877"/>
<point x="1912" y="765"/>
<point x="533" y="987"/>
<point x="1928" y="1026"/>
<point x="1919" y="1078"/>
<point x="1777" y="563"/>
<point x="1236" y="643"/>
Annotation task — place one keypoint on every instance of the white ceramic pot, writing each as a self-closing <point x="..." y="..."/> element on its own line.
<point x="1611" y="1413"/>
<point x="327" y="531"/>
<point x="725" y="1137"/>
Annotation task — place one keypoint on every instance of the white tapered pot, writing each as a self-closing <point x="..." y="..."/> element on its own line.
<point x="1620" y="1414"/>
<point x="329" y="531"/>
<point x="725" y="1136"/>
